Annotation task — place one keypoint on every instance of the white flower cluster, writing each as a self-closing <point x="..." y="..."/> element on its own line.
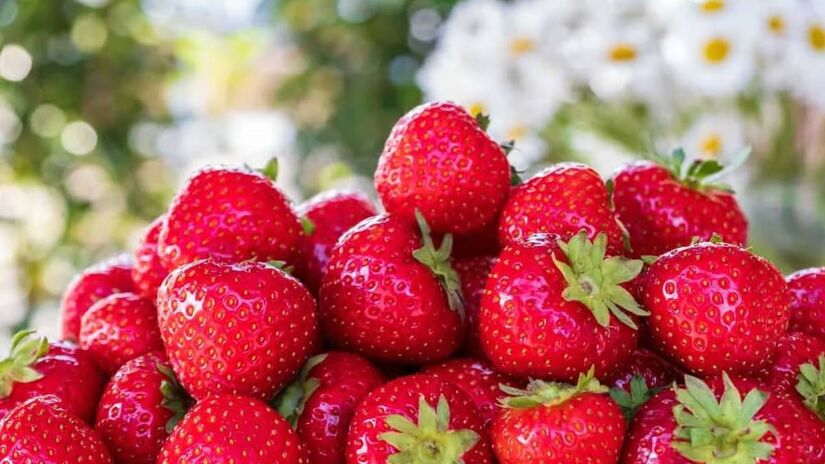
<point x="523" y="60"/>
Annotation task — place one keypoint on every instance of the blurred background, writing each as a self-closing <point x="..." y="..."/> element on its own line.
<point x="106" y="105"/>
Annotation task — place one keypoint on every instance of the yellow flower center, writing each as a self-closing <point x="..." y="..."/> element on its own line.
<point x="623" y="52"/>
<point x="776" y="24"/>
<point x="716" y="50"/>
<point x="712" y="6"/>
<point x="816" y="36"/>
<point x="522" y="45"/>
<point x="712" y="145"/>
<point x="517" y="132"/>
<point x="477" y="108"/>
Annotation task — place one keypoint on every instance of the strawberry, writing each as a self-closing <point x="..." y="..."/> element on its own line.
<point x="229" y="214"/>
<point x="37" y="368"/>
<point x="473" y="273"/>
<point x="390" y="295"/>
<point x="418" y="418"/>
<point x="41" y="431"/>
<point x="141" y="403"/>
<point x="656" y="371"/>
<point x="120" y="328"/>
<point x="554" y="422"/>
<point x="148" y="272"/>
<point x="477" y="379"/>
<point x="439" y="160"/>
<point x="715" y="307"/>
<point x="668" y="204"/>
<point x="563" y="200"/>
<point x="232" y="429"/>
<point x="321" y="403"/>
<point x="96" y="282"/>
<point x="808" y="301"/>
<point x="325" y="217"/>
<point x="552" y="309"/>
<point x="792" y="350"/>
<point x="713" y="423"/>
<point x="235" y="328"/>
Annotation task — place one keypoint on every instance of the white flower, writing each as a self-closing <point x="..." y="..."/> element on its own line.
<point x="718" y="136"/>
<point x="779" y="23"/>
<point x="807" y="55"/>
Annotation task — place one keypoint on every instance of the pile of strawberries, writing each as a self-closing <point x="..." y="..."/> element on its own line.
<point x="480" y="319"/>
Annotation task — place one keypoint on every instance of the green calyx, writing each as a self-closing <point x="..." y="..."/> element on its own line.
<point x="720" y="432"/>
<point x="631" y="401"/>
<point x="811" y="386"/>
<point x="700" y="174"/>
<point x="282" y="265"/>
<point x="430" y="441"/>
<point x="175" y="398"/>
<point x="291" y="401"/>
<point x="438" y="260"/>
<point x="25" y="351"/>
<point x="307" y="225"/>
<point x="595" y="281"/>
<point x="540" y="393"/>
<point x="270" y="169"/>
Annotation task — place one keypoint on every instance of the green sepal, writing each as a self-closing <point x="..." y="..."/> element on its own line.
<point x="540" y="392"/>
<point x="282" y="265"/>
<point x="291" y="401"/>
<point x="631" y="401"/>
<point x="507" y="147"/>
<point x="811" y="386"/>
<point x="595" y="281"/>
<point x="483" y="121"/>
<point x="439" y="261"/>
<point x="430" y="441"/>
<point x="175" y="398"/>
<point x="700" y="174"/>
<point x="270" y="169"/>
<point x="16" y="368"/>
<point x="515" y="177"/>
<point x="307" y="225"/>
<point x="723" y="431"/>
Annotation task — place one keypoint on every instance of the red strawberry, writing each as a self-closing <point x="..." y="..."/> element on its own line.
<point x="554" y="423"/>
<point x="149" y="272"/>
<point x="656" y="371"/>
<point x="387" y="297"/>
<point x="438" y="160"/>
<point x="232" y="429"/>
<point x="320" y="404"/>
<point x="140" y="404"/>
<point x="475" y="378"/>
<point x="563" y="200"/>
<point x="713" y="423"/>
<point x="418" y="418"/>
<point x="473" y="273"/>
<point x="668" y="205"/>
<point x="554" y="309"/>
<point x="808" y="301"/>
<point x="715" y="307"/>
<point x="229" y="214"/>
<point x="793" y="350"/>
<point x="235" y="328"/>
<point x="41" y="431"/>
<point x="96" y="282"/>
<point x="325" y="218"/>
<point x="120" y="328"/>
<point x="36" y="368"/>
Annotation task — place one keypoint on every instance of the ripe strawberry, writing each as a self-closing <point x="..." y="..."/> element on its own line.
<point x="96" y="282"/>
<point x="37" y="368"/>
<point x="139" y="406"/>
<point x="41" y="431"/>
<point x="553" y="423"/>
<point x="325" y="218"/>
<point x="546" y="311"/>
<point x="235" y="328"/>
<point x="477" y="379"/>
<point x="473" y="273"/>
<point x="320" y="404"/>
<point x="715" y="307"/>
<point x="808" y="301"/>
<point x="667" y="205"/>
<point x="232" y="429"/>
<point x="712" y="423"/>
<point x="148" y="272"/>
<point x="387" y="297"/>
<point x="792" y="350"/>
<point x="418" y="418"/>
<point x="656" y="371"/>
<point x="438" y="160"/>
<point x="120" y="328"/>
<point x="563" y="199"/>
<point x="229" y="214"/>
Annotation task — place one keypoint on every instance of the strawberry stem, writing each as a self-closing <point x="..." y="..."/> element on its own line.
<point x="25" y="351"/>
<point x="438" y="260"/>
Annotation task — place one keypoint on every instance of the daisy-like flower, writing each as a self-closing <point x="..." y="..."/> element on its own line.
<point x="779" y="22"/>
<point x="807" y="55"/>
<point x="717" y="136"/>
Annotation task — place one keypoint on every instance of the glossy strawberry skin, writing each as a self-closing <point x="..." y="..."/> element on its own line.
<point x="95" y="283"/>
<point x="808" y="301"/>
<point x="529" y="330"/>
<point x="438" y="160"/>
<point x="715" y="308"/>
<point x="792" y="350"/>
<point x="587" y="428"/>
<point x="41" y="431"/>
<point x="401" y="397"/>
<point x="131" y="419"/>
<point x="148" y="272"/>
<point x="661" y="213"/>
<point x="377" y="300"/>
<point x="228" y="428"/>
<point x="563" y="199"/>
<point x="229" y="214"/>
<point x="69" y="374"/>
<point x="344" y="379"/>
<point x="473" y="273"/>
<point x="656" y="371"/>
<point x="242" y="328"/>
<point x="120" y="328"/>
<point x="331" y="214"/>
